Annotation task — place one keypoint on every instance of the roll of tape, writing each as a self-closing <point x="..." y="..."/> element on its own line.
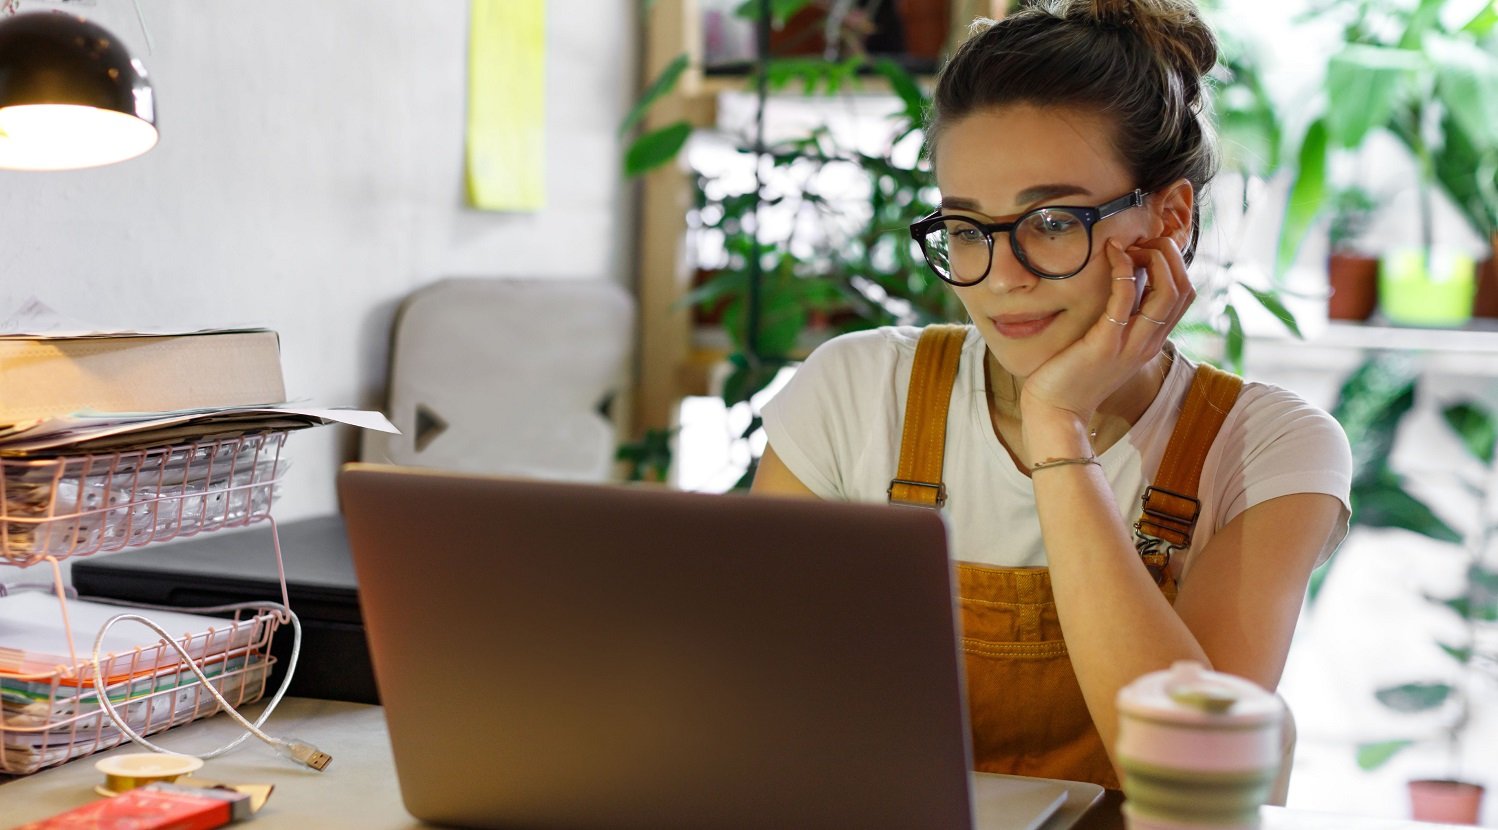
<point x="123" y="773"/>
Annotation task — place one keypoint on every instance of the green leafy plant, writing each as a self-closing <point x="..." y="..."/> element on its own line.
<point x="1352" y="209"/>
<point x="1434" y="87"/>
<point x="1251" y="129"/>
<point x="648" y="459"/>
<point x="1372" y="404"/>
<point x="838" y="258"/>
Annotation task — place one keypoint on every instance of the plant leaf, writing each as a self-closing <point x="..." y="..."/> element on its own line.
<point x="649" y="458"/>
<point x="780" y="10"/>
<point x="1482" y="23"/>
<point x="1272" y="302"/>
<point x="1425" y="17"/>
<point x="747" y="378"/>
<point x="1467" y="86"/>
<point x="655" y="148"/>
<point x="1480" y="602"/>
<point x="756" y="423"/>
<point x="1318" y="579"/>
<point x="1385" y="503"/>
<point x="1374" y="755"/>
<point x="1363" y="82"/>
<point x="1476" y="427"/>
<point x="905" y="87"/>
<point x="1306" y="195"/>
<point x="1414" y="697"/>
<point x="722" y="284"/>
<point x="780" y="324"/>
<point x="663" y="83"/>
<point x="1461" y="655"/>
<point x="1234" y="340"/>
<point x="1370" y="406"/>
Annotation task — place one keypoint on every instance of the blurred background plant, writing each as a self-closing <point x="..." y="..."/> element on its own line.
<point x="814" y="244"/>
<point x="1410" y="70"/>
<point x="1373" y="405"/>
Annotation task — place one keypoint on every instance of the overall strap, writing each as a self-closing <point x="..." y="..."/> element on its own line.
<point x="923" y="442"/>
<point x="1171" y="505"/>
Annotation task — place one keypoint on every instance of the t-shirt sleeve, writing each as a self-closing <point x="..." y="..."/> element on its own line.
<point x="819" y="421"/>
<point x="1287" y="446"/>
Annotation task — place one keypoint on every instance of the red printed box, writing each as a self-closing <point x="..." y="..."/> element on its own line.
<point x="154" y="807"/>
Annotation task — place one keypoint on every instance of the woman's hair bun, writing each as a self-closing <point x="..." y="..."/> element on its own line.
<point x="1172" y="29"/>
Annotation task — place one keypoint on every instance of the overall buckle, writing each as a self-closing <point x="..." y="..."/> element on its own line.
<point x="939" y="487"/>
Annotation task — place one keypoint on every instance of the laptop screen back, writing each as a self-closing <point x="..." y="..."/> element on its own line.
<point x="565" y="655"/>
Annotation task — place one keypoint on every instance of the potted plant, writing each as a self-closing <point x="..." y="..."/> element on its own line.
<point x="785" y="260"/>
<point x="1352" y="274"/>
<point x="1371" y="406"/>
<point x="1433" y="86"/>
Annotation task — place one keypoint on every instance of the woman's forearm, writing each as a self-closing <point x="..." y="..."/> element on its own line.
<point x="1118" y="625"/>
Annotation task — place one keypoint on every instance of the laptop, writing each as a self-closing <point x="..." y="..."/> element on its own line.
<point x="591" y="656"/>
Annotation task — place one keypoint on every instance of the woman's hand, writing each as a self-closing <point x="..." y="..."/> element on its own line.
<point x="1121" y="343"/>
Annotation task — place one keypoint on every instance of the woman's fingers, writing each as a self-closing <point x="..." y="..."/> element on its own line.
<point x="1125" y="293"/>
<point x="1171" y="292"/>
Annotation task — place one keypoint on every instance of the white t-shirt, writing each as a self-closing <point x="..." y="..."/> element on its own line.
<point x="837" y="426"/>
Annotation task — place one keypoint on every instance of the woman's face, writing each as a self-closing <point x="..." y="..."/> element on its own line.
<point x="998" y="163"/>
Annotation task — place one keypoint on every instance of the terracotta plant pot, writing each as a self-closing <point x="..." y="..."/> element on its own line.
<point x="1354" y="286"/>
<point x="1485" y="304"/>
<point x="1448" y="802"/>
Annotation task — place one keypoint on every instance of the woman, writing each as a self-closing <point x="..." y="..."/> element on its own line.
<point x="1066" y="393"/>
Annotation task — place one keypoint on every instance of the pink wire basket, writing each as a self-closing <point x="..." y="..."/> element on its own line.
<point x="53" y="716"/>
<point x="78" y="505"/>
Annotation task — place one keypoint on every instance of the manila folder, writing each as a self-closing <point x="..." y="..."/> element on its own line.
<point x="44" y="377"/>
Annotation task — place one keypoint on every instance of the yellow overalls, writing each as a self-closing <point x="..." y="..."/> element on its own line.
<point x="1025" y="707"/>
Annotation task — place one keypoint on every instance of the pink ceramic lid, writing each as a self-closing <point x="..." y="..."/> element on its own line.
<point x="1190" y="693"/>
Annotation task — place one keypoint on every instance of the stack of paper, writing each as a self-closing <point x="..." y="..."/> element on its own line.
<point x="34" y="640"/>
<point x="148" y="706"/>
<point x="107" y="431"/>
<point x="49" y="710"/>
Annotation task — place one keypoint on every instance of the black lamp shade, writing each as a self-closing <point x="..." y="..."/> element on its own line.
<point x="70" y="95"/>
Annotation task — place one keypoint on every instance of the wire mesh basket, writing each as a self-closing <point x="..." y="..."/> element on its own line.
<point x="83" y="504"/>
<point x="49" y="717"/>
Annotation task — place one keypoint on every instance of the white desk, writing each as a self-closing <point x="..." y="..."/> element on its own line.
<point x="358" y="790"/>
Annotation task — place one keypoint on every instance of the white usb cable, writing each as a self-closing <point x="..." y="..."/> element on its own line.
<point x="297" y="750"/>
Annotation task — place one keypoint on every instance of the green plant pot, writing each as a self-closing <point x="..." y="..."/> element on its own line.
<point x="1411" y="294"/>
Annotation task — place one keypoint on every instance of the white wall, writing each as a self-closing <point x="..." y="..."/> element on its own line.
<point x="309" y="176"/>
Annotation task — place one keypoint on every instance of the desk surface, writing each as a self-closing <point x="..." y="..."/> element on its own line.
<point x="358" y="789"/>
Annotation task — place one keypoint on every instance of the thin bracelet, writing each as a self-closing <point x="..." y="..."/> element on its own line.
<point x="1061" y="462"/>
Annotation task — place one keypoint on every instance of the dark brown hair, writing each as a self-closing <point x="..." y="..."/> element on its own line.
<point x="1139" y="63"/>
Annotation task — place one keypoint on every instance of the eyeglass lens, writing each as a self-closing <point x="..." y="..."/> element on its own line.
<point x="1052" y="243"/>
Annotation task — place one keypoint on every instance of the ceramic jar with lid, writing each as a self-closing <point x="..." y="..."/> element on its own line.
<point x="1199" y="749"/>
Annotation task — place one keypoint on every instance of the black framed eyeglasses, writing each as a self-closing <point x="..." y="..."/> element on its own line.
<point x="1052" y="242"/>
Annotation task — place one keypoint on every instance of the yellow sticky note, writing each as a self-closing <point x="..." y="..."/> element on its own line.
<point x="506" y="157"/>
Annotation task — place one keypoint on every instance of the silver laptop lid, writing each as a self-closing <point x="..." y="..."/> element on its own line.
<point x="566" y="655"/>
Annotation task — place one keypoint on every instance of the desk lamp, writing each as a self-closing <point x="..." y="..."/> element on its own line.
<point x="70" y="95"/>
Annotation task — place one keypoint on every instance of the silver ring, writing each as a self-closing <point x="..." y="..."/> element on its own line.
<point x="1115" y="322"/>
<point x="1116" y="279"/>
<point x="1151" y="319"/>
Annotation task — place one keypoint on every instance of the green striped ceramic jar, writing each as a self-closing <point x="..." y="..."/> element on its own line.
<point x="1199" y="749"/>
